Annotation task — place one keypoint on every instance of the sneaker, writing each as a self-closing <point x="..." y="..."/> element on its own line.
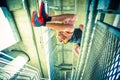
<point x="42" y="11"/>
<point x="37" y="21"/>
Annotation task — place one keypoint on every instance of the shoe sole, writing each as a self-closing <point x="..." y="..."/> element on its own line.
<point x="33" y="18"/>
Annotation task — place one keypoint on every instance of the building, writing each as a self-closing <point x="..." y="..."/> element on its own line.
<point x="30" y="53"/>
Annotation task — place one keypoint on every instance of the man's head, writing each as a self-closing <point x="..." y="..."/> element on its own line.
<point x="81" y="27"/>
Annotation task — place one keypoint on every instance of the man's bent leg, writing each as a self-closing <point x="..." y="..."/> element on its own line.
<point x="61" y="27"/>
<point x="64" y="17"/>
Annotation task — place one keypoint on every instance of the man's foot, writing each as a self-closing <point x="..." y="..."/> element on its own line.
<point x="42" y="11"/>
<point x="37" y="21"/>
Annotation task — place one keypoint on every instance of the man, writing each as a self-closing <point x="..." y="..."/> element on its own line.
<point x="63" y="24"/>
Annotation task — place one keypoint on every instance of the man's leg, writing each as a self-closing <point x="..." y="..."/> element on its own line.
<point x="65" y="18"/>
<point x="61" y="27"/>
<point x="43" y="17"/>
<point x="61" y="18"/>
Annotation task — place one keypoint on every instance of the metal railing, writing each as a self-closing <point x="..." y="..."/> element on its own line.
<point x="26" y="72"/>
<point x="100" y="48"/>
<point x="103" y="61"/>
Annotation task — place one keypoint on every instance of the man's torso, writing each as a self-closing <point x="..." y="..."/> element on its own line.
<point x="72" y="37"/>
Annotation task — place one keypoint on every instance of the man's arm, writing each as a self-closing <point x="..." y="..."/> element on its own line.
<point x="77" y="46"/>
<point x="76" y="49"/>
